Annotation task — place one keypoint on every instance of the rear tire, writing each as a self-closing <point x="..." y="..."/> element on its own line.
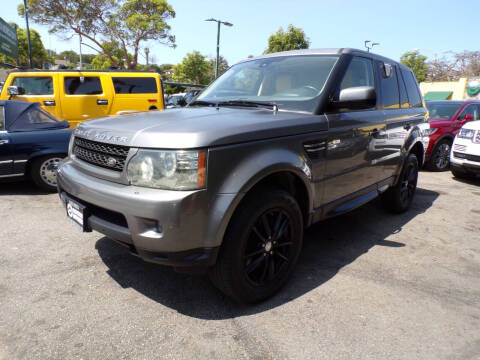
<point x="260" y="248"/>
<point x="398" y="198"/>
<point x="43" y="172"/>
<point x="440" y="159"/>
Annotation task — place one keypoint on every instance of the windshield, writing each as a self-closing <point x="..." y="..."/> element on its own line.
<point x="291" y="82"/>
<point x="442" y="110"/>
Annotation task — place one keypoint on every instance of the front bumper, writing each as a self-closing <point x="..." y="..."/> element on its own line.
<point x="465" y="155"/>
<point x="161" y="226"/>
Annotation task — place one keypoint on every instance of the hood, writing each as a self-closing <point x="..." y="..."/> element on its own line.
<point x="472" y="125"/>
<point x="440" y="122"/>
<point x="198" y="127"/>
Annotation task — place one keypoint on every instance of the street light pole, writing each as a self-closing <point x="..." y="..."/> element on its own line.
<point x="28" y="33"/>
<point x="218" y="41"/>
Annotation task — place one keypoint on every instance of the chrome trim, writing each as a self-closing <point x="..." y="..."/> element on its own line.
<point x="6" y="161"/>
<point x="20" y="161"/>
<point x="12" y="175"/>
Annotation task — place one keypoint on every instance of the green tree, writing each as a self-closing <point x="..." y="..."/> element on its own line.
<point x="194" y="68"/>
<point x="71" y="56"/>
<point x="128" y="22"/>
<point x="222" y="66"/>
<point x="39" y="54"/>
<point x="292" y="39"/>
<point x="417" y="62"/>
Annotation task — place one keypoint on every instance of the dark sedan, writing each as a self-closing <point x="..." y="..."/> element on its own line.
<point x="32" y="143"/>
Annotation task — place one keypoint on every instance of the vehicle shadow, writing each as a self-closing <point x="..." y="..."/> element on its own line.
<point x="20" y="187"/>
<point x="328" y="247"/>
<point x="474" y="180"/>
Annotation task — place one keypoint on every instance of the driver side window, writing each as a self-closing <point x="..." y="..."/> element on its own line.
<point x="2" y="118"/>
<point x="359" y="73"/>
<point x="470" y="110"/>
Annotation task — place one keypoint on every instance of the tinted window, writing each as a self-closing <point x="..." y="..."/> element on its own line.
<point x="140" y="85"/>
<point x="470" y="110"/>
<point x="388" y="86"/>
<point x="82" y="85"/>
<point x="412" y="89"/>
<point x="359" y="73"/>
<point x="403" y="90"/>
<point x="42" y="85"/>
<point x="2" y="118"/>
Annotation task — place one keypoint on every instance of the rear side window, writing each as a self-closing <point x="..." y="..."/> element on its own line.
<point x="359" y="73"/>
<point x="132" y="85"/>
<point x="83" y="85"/>
<point x="39" y="85"/>
<point x="412" y="89"/>
<point x="2" y="118"/>
<point x="403" y="90"/>
<point x="388" y="85"/>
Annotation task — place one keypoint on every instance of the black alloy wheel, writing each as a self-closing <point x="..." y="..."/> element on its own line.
<point x="399" y="197"/>
<point x="268" y="249"/>
<point x="261" y="246"/>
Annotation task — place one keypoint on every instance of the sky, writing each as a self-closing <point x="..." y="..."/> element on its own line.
<point x="434" y="27"/>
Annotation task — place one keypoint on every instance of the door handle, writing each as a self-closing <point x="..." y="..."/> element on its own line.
<point x="49" y="102"/>
<point x="102" y="102"/>
<point x="3" y="142"/>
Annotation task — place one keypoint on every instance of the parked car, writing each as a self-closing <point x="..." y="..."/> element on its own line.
<point x="465" y="155"/>
<point x="176" y="100"/>
<point x="191" y="94"/>
<point x="446" y="118"/>
<point x="228" y="184"/>
<point x="76" y="96"/>
<point x="32" y="143"/>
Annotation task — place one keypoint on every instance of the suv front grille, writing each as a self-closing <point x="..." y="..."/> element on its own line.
<point x="104" y="155"/>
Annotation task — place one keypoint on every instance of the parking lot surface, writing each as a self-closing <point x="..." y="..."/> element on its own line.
<point x="369" y="285"/>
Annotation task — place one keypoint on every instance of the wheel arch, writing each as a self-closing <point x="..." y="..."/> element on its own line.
<point x="37" y="155"/>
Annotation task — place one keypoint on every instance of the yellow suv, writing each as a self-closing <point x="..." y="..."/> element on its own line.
<point x="75" y="95"/>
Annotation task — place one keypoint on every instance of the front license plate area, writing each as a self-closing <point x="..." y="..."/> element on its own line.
<point x="76" y="213"/>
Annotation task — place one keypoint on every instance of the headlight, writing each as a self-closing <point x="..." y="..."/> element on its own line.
<point x="429" y="131"/>
<point x="70" y="145"/>
<point x="173" y="170"/>
<point x="466" y="134"/>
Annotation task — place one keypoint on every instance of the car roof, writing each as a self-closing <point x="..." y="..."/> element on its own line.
<point x="326" y="51"/>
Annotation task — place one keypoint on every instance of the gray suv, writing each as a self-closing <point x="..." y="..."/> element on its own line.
<point x="228" y="184"/>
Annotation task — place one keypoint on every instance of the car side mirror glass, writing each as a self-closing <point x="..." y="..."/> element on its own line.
<point x="15" y="90"/>
<point x="356" y="98"/>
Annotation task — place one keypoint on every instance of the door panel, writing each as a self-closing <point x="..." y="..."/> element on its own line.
<point x="86" y="97"/>
<point x="351" y="153"/>
<point x="42" y="89"/>
<point x="6" y="156"/>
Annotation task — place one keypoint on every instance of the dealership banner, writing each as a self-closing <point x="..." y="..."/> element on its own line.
<point x="8" y="40"/>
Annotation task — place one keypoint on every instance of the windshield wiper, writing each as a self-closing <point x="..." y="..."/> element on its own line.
<point x="202" y="103"/>
<point x="249" y="103"/>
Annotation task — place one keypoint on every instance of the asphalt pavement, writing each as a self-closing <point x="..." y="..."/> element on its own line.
<point x="369" y="285"/>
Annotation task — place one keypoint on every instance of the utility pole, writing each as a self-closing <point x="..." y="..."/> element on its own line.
<point x="28" y="33"/>
<point x="80" y="43"/>
<point x="218" y="41"/>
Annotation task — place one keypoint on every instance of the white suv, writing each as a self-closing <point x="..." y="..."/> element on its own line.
<point x="465" y="154"/>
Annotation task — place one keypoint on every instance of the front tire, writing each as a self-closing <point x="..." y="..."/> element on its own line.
<point x="398" y="198"/>
<point x="440" y="159"/>
<point x="43" y="172"/>
<point x="260" y="248"/>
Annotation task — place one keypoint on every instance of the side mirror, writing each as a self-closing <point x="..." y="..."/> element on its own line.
<point x="15" y="90"/>
<point x="356" y="98"/>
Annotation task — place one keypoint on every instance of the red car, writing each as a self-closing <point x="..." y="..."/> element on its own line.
<point x="446" y="119"/>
